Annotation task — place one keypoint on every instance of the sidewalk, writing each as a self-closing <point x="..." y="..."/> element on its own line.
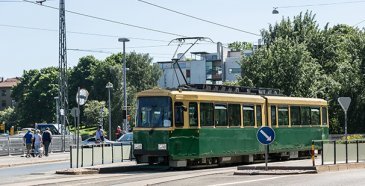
<point x="19" y="160"/>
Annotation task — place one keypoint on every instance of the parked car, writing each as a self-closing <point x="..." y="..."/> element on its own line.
<point x="52" y="127"/>
<point x="92" y="141"/>
<point x="126" y="138"/>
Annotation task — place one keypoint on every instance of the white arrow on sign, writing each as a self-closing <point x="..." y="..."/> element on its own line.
<point x="268" y="138"/>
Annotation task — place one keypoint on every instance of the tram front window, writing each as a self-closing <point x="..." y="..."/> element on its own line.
<point x="154" y="112"/>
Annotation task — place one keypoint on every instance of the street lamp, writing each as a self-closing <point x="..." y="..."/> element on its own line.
<point x="109" y="86"/>
<point x="275" y="11"/>
<point x="124" y="83"/>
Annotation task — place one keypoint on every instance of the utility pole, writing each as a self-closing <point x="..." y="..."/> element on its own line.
<point x="62" y="82"/>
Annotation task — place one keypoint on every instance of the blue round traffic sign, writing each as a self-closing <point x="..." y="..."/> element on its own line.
<point x="265" y="135"/>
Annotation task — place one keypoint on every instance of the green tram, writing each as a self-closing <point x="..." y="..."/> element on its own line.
<point x="213" y="125"/>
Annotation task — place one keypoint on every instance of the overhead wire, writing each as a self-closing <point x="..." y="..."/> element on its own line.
<point x="197" y="18"/>
<point x="108" y="20"/>
<point x="81" y="33"/>
<point x="321" y="4"/>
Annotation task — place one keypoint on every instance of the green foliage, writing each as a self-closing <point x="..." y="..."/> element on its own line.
<point x="303" y="60"/>
<point x="34" y="96"/>
<point x="94" y="111"/>
<point x="353" y="137"/>
<point x="240" y="46"/>
<point x="8" y="117"/>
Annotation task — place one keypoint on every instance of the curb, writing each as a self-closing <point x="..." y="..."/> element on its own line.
<point x="289" y="170"/>
<point x="78" y="171"/>
<point x="275" y="170"/>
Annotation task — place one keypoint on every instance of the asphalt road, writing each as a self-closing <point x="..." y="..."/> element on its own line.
<point x="14" y="172"/>
<point x="350" y="177"/>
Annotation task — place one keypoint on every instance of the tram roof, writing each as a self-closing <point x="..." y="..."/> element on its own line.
<point x="227" y="97"/>
<point x="282" y="100"/>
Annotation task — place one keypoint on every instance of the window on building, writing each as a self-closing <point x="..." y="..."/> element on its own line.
<point x="258" y="115"/>
<point x="179" y="114"/>
<point x="188" y="73"/>
<point x="3" y="92"/>
<point x="3" y="103"/>
<point x="324" y="116"/>
<point x="295" y="115"/>
<point x="234" y="70"/>
<point x="234" y="115"/>
<point x="206" y="114"/>
<point x="273" y="115"/>
<point x="193" y="114"/>
<point x="305" y="115"/>
<point x="220" y="115"/>
<point x="315" y="117"/>
<point x="248" y="115"/>
<point x="283" y="115"/>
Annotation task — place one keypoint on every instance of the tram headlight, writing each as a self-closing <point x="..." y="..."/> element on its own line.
<point x="162" y="146"/>
<point x="138" y="146"/>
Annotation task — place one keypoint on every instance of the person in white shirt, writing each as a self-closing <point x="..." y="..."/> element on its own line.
<point x="37" y="143"/>
<point x="99" y="135"/>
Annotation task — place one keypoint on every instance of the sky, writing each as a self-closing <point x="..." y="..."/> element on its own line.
<point x="29" y="35"/>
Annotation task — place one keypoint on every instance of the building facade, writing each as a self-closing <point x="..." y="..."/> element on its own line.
<point x="5" y="92"/>
<point x="203" y="68"/>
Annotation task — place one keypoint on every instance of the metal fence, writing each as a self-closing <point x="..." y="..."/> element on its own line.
<point x="91" y="155"/>
<point x="339" y="151"/>
<point x="14" y="145"/>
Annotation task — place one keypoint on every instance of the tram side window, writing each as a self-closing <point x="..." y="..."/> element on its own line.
<point x="315" y="119"/>
<point x="305" y="115"/>
<point x="234" y="115"/>
<point x="258" y="115"/>
<point x="179" y="114"/>
<point x="193" y="114"/>
<point x="220" y="115"/>
<point x="273" y="115"/>
<point x="206" y="114"/>
<point x="248" y="115"/>
<point x="295" y="115"/>
<point x="324" y="116"/>
<point x="283" y="118"/>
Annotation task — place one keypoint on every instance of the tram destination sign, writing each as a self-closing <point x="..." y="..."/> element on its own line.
<point x="265" y="135"/>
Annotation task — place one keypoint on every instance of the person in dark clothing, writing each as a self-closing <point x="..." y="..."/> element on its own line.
<point x="28" y="139"/>
<point x="47" y="139"/>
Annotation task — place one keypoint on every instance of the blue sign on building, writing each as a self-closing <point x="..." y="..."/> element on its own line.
<point x="265" y="135"/>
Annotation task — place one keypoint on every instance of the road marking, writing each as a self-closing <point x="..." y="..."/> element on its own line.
<point x="249" y="181"/>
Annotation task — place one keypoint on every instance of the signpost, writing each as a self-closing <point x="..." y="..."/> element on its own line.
<point x="266" y="135"/>
<point x="81" y="98"/>
<point x="345" y="103"/>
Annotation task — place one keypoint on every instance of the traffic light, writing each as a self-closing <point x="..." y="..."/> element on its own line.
<point x="124" y="114"/>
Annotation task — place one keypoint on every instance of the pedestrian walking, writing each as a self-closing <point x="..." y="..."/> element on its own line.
<point x="47" y="139"/>
<point x="37" y="143"/>
<point x="28" y="137"/>
<point x="99" y="135"/>
<point x="118" y="133"/>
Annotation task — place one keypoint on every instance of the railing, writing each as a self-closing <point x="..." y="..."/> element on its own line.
<point x="338" y="151"/>
<point x="14" y="145"/>
<point x="91" y="155"/>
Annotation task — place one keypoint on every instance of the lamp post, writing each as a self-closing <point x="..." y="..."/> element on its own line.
<point x="124" y="83"/>
<point x="109" y="86"/>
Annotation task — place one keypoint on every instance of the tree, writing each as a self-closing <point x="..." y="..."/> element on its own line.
<point x="34" y="96"/>
<point x="303" y="60"/>
<point x="8" y="117"/>
<point x="238" y="46"/>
